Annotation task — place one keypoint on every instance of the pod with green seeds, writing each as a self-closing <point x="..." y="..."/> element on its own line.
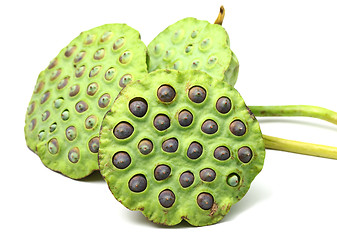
<point x="74" y="92"/>
<point x="194" y="44"/>
<point x="180" y="172"/>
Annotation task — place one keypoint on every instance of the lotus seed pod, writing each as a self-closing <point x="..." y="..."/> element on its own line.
<point x="74" y="92"/>
<point x="180" y="173"/>
<point x="194" y="44"/>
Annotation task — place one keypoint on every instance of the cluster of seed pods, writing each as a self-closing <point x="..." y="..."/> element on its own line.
<point x="160" y="156"/>
<point x="74" y="92"/>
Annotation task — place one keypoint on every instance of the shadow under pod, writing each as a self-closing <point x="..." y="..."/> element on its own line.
<point x="94" y="177"/>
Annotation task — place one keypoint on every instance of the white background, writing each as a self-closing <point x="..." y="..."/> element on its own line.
<point x="288" y="55"/>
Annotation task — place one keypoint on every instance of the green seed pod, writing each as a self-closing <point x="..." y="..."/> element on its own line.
<point x="194" y="44"/>
<point x="181" y="172"/>
<point x="74" y="92"/>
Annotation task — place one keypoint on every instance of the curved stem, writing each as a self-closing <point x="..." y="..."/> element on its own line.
<point x="295" y="111"/>
<point x="221" y="16"/>
<point x="299" y="147"/>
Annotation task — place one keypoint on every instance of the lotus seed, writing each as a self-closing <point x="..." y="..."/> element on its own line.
<point x="58" y="102"/>
<point x="186" y="179"/>
<point x="185" y="118"/>
<point x="194" y="151"/>
<point x="106" y="36"/>
<point x="121" y="160"/>
<point x="162" y="172"/>
<point x="74" y="90"/>
<point x="65" y="115"/>
<point x="110" y="73"/>
<point x="138" y="183"/>
<point x="94" y="71"/>
<point x="45" y="115"/>
<point x="209" y="127"/>
<point x="79" y="71"/>
<point x="94" y="145"/>
<point x="53" y="146"/>
<point x="238" y="128"/>
<point x="197" y="94"/>
<point x="138" y="107"/>
<point x="123" y="130"/>
<point x="74" y="155"/>
<point x="45" y="97"/>
<point x="161" y="122"/>
<point x="233" y="180"/>
<point x="221" y="153"/>
<point x="118" y="43"/>
<point x="91" y="122"/>
<point x="125" y="57"/>
<point x="63" y="83"/>
<point x="245" y="154"/>
<point x="99" y="54"/>
<point x="104" y="100"/>
<point x="170" y="145"/>
<point x="205" y="201"/>
<point x="55" y="74"/>
<point x="125" y="80"/>
<point x="81" y="107"/>
<point x="166" y="93"/>
<point x="145" y="146"/>
<point x="223" y="105"/>
<point x="166" y="198"/>
<point x="207" y="175"/>
<point x="71" y="133"/>
<point x="92" y="89"/>
<point x="70" y="51"/>
<point x="79" y="56"/>
<point x="52" y="63"/>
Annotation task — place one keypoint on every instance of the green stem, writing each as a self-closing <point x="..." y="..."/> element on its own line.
<point x="295" y="111"/>
<point x="300" y="147"/>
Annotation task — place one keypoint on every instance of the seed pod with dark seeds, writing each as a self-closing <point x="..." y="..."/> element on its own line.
<point x="194" y="44"/>
<point x="187" y="174"/>
<point x="75" y="91"/>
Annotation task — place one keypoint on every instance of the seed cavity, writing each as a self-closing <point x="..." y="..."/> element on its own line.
<point x="194" y="34"/>
<point x="89" y="39"/>
<point x="207" y="175"/>
<point x="188" y="48"/>
<point x="55" y="74"/>
<point x="81" y="107"/>
<point x="222" y="153"/>
<point x="185" y="118"/>
<point x="233" y="180"/>
<point x="209" y="127"/>
<point x="39" y="87"/>
<point x="41" y="135"/>
<point x="170" y="145"/>
<point x="195" y="150"/>
<point x="138" y="106"/>
<point x="45" y="97"/>
<point x="145" y="146"/>
<point x="212" y="60"/>
<point x="31" y="108"/>
<point x="186" y="179"/>
<point x="94" y="145"/>
<point x="110" y="74"/>
<point x="223" y="105"/>
<point x="177" y="65"/>
<point x="79" y="71"/>
<point x="177" y="36"/>
<point x="106" y="36"/>
<point x="121" y="160"/>
<point x="79" y="56"/>
<point x="245" y="154"/>
<point x="197" y="94"/>
<point x="166" y="93"/>
<point x="205" y="201"/>
<point x="92" y="89"/>
<point x="99" y="54"/>
<point x="74" y="155"/>
<point x="70" y="50"/>
<point x="162" y="172"/>
<point x="238" y="128"/>
<point x="94" y="71"/>
<point x="125" y="57"/>
<point x="74" y="90"/>
<point x="52" y="127"/>
<point x="63" y="83"/>
<point x="195" y="64"/>
<point x="138" y="183"/>
<point x="166" y="198"/>
<point x="104" y="100"/>
<point x="58" y="103"/>
<point x="91" y="122"/>
<point x="125" y="79"/>
<point x="32" y="125"/>
<point x="123" y="130"/>
<point x="65" y="115"/>
<point x="53" y="146"/>
<point x="45" y="115"/>
<point x="118" y="43"/>
<point x="52" y="63"/>
<point x="161" y="122"/>
<point x="168" y="55"/>
<point x="71" y="133"/>
<point x="205" y="44"/>
<point x="158" y="49"/>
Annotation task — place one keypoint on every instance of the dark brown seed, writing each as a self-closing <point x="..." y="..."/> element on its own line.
<point x="161" y="122"/>
<point x="145" y="146"/>
<point x="197" y="94"/>
<point x="166" y="198"/>
<point x="238" y="128"/>
<point x="209" y="127"/>
<point x="123" y="130"/>
<point x="74" y="155"/>
<point x="186" y="179"/>
<point x="138" y="107"/>
<point x="185" y="118"/>
<point x="223" y="105"/>
<point x="221" y="153"/>
<point x="207" y="175"/>
<point x="245" y="154"/>
<point x="166" y="93"/>
<point x="205" y="201"/>
<point x="45" y="97"/>
<point x="137" y="183"/>
<point x="70" y="51"/>
<point x="162" y="172"/>
<point x="104" y="100"/>
<point x="71" y="133"/>
<point x="81" y="107"/>
<point x="170" y="145"/>
<point x="121" y="160"/>
<point x="194" y="150"/>
<point x="94" y="145"/>
<point x="74" y="90"/>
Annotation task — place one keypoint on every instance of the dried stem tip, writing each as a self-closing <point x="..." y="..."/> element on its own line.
<point x="221" y="16"/>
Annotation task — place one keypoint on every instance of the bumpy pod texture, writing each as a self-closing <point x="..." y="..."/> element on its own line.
<point x="74" y="92"/>
<point x="191" y="154"/>
<point x="194" y="44"/>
